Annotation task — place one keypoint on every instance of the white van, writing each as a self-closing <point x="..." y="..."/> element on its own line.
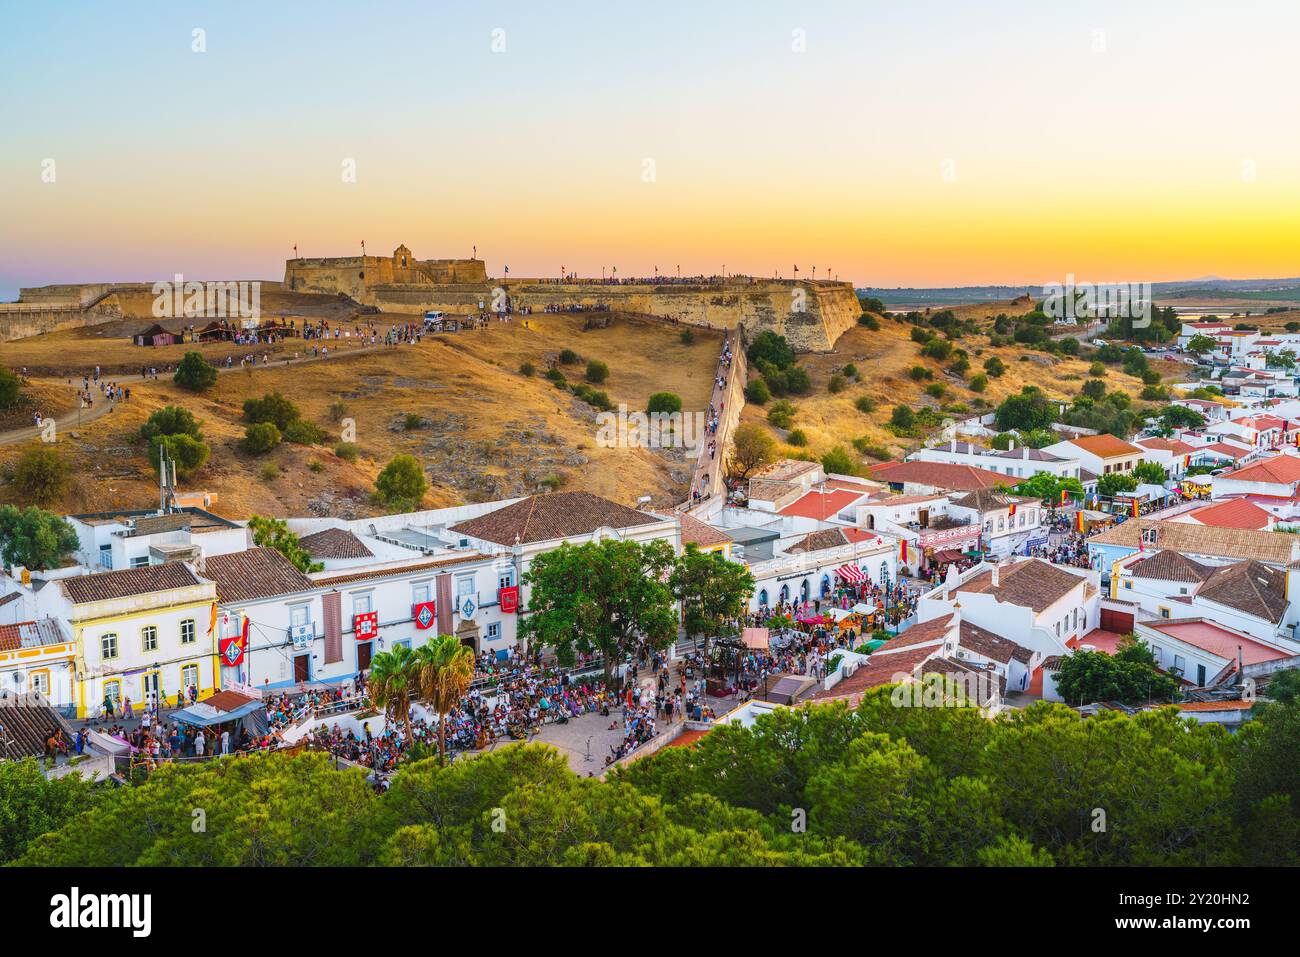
<point x="433" y="316"/>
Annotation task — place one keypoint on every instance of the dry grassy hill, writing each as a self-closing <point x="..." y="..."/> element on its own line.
<point x="484" y="431"/>
<point x="885" y="357"/>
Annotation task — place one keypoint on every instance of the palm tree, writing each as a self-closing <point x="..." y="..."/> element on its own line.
<point x="445" y="670"/>
<point x="394" y="684"/>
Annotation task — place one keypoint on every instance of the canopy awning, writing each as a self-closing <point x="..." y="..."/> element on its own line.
<point x="755" y="638"/>
<point x="863" y="608"/>
<point x="948" y="555"/>
<point x="851" y="574"/>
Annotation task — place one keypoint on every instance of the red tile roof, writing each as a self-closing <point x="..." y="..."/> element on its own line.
<point x="959" y="478"/>
<point x="550" y="516"/>
<point x="822" y="505"/>
<point x="695" y="532"/>
<point x="1218" y="640"/>
<point x="879" y="670"/>
<point x="254" y="574"/>
<point x="1233" y="513"/>
<point x="127" y="582"/>
<point x="1280" y="469"/>
<point x="1105" y="446"/>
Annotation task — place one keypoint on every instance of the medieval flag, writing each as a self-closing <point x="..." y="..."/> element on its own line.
<point x="1078" y="521"/>
<point x="1011" y="509"/>
<point x="1135" y="508"/>
<point x="902" y="550"/>
<point x="1065" y="496"/>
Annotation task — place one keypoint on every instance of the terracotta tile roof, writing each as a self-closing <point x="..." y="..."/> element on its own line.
<point x="554" y="515"/>
<point x="988" y="500"/>
<point x="1052" y="663"/>
<point x="1223" y="449"/>
<point x="1167" y="445"/>
<point x="879" y="670"/>
<point x="822" y="505"/>
<point x="1234" y="513"/>
<point x="372" y="574"/>
<point x="254" y="574"/>
<point x="1170" y="566"/>
<point x="27" y="727"/>
<point x="227" y="700"/>
<point x="335" y="543"/>
<point x="104" y="586"/>
<point x="1271" y="547"/>
<point x="1032" y="583"/>
<point x="786" y="470"/>
<point x="960" y="478"/>
<point x="829" y="538"/>
<point x="32" y="634"/>
<point x="1105" y="446"/>
<point x="991" y="646"/>
<point x="922" y="633"/>
<point x="695" y="532"/>
<point x="1248" y="587"/>
<point x="1235" y="704"/>
<point x="1280" y="469"/>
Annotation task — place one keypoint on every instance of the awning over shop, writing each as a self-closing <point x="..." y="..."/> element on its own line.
<point x="220" y="708"/>
<point x="863" y="608"/>
<point x="948" y="555"/>
<point x="851" y="574"/>
<point x="755" y="638"/>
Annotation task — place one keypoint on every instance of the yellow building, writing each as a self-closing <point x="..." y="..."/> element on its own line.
<point x="141" y="632"/>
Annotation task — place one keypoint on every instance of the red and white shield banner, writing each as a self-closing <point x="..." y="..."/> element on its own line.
<point x="365" y="626"/>
<point x="509" y="599"/>
<point x="425" y="614"/>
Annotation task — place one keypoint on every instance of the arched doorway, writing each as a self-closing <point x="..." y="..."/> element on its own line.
<point x="762" y="598"/>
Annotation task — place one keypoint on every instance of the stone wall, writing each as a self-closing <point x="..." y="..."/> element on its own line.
<point x="828" y="308"/>
<point x="19" y="320"/>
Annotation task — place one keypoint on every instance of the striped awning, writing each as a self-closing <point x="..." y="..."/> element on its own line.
<point x="851" y="574"/>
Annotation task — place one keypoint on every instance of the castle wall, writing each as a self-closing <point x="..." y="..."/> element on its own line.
<point x="20" y="320"/>
<point x="829" y="309"/>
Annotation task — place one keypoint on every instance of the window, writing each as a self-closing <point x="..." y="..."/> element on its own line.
<point x="1127" y="583"/>
<point x="421" y="593"/>
<point x="149" y="638"/>
<point x="506" y="579"/>
<point x="108" y="646"/>
<point x="106" y="556"/>
<point x="762" y="598"/>
<point x="1180" y="664"/>
<point x="113" y="691"/>
<point x="362" y="604"/>
<point x="298" y="615"/>
<point x="464" y="586"/>
<point x="187" y="631"/>
<point x="41" y="682"/>
<point x="140" y="562"/>
<point x="494" y="631"/>
<point x="1002" y="524"/>
<point x="1164" y="612"/>
<point x="190" y="676"/>
<point x="1155" y="653"/>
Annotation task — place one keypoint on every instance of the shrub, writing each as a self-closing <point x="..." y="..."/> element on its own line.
<point x="171" y="420"/>
<point x="839" y="461"/>
<point x="757" y="392"/>
<point x="1094" y="389"/>
<point x="412" y="421"/>
<point x="797" y="438"/>
<point x="688" y="337"/>
<point x="903" y="417"/>
<point x="194" y="373"/>
<point x="260" y="437"/>
<point x="936" y="390"/>
<point x="664" y="402"/>
<point x="347" y="451"/>
<point x="527" y="370"/>
<point x="569" y="358"/>
<point x="338" y="410"/>
<point x="41" y="475"/>
<point x="867" y="447"/>
<point x="189" y="453"/>
<point x="1151" y="377"/>
<point x="995" y="367"/>
<point x="851" y="371"/>
<point x="979" y="383"/>
<point x="772" y="348"/>
<point x="870" y="321"/>
<point x="959" y="366"/>
<point x="555" y="375"/>
<point x="1097" y="369"/>
<point x="920" y="372"/>
<point x="401" y="485"/>
<point x="797" y="380"/>
<point x="316" y="465"/>
<point x="269" y="472"/>
<point x="937" y="349"/>
<point x="303" y="432"/>
<point x="273" y="408"/>
<point x="921" y="335"/>
<point x="865" y="404"/>
<point x="597" y="371"/>
<point x="781" y="414"/>
<point x="10" y="389"/>
<point x="836" y="384"/>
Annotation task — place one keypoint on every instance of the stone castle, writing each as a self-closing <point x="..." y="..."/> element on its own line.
<point x="810" y="314"/>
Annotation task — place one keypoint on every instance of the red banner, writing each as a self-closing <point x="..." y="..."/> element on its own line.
<point x="366" y="626"/>
<point x="232" y="649"/>
<point x="509" y="599"/>
<point x="425" y="614"/>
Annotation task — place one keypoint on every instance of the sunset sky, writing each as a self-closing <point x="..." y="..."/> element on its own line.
<point x="921" y="143"/>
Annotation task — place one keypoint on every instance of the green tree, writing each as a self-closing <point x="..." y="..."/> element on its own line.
<point x="1181" y="417"/>
<point x="195" y="373"/>
<point x="1087" y="676"/>
<point x="401" y="485"/>
<point x="601" y="597"/>
<point x="272" y="407"/>
<point x="1151" y="473"/>
<point x="1048" y="488"/>
<point x="274" y="533"/>
<point x="11" y="389"/>
<point x="31" y="804"/>
<point x="1116" y="483"/>
<point x="444" y="670"/>
<point x="770" y="347"/>
<point x="41" y="475"/>
<point x="838" y="461"/>
<point x="1030" y="409"/>
<point x="597" y="371"/>
<point x="1199" y="344"/>
<point x="34" y="538"/>
<point x="713" y="590"/>
<point x="260" y="438"/>
<point x="171" y="420"/>
<point x="995" y="367"/>
<point x="189" y="453"/>
<point x="664" y="402"/>
<point x="394" y="684"/>
<point x="752" y="447"/>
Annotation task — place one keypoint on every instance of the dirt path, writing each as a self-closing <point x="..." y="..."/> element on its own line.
<point x="79" y="418"/>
